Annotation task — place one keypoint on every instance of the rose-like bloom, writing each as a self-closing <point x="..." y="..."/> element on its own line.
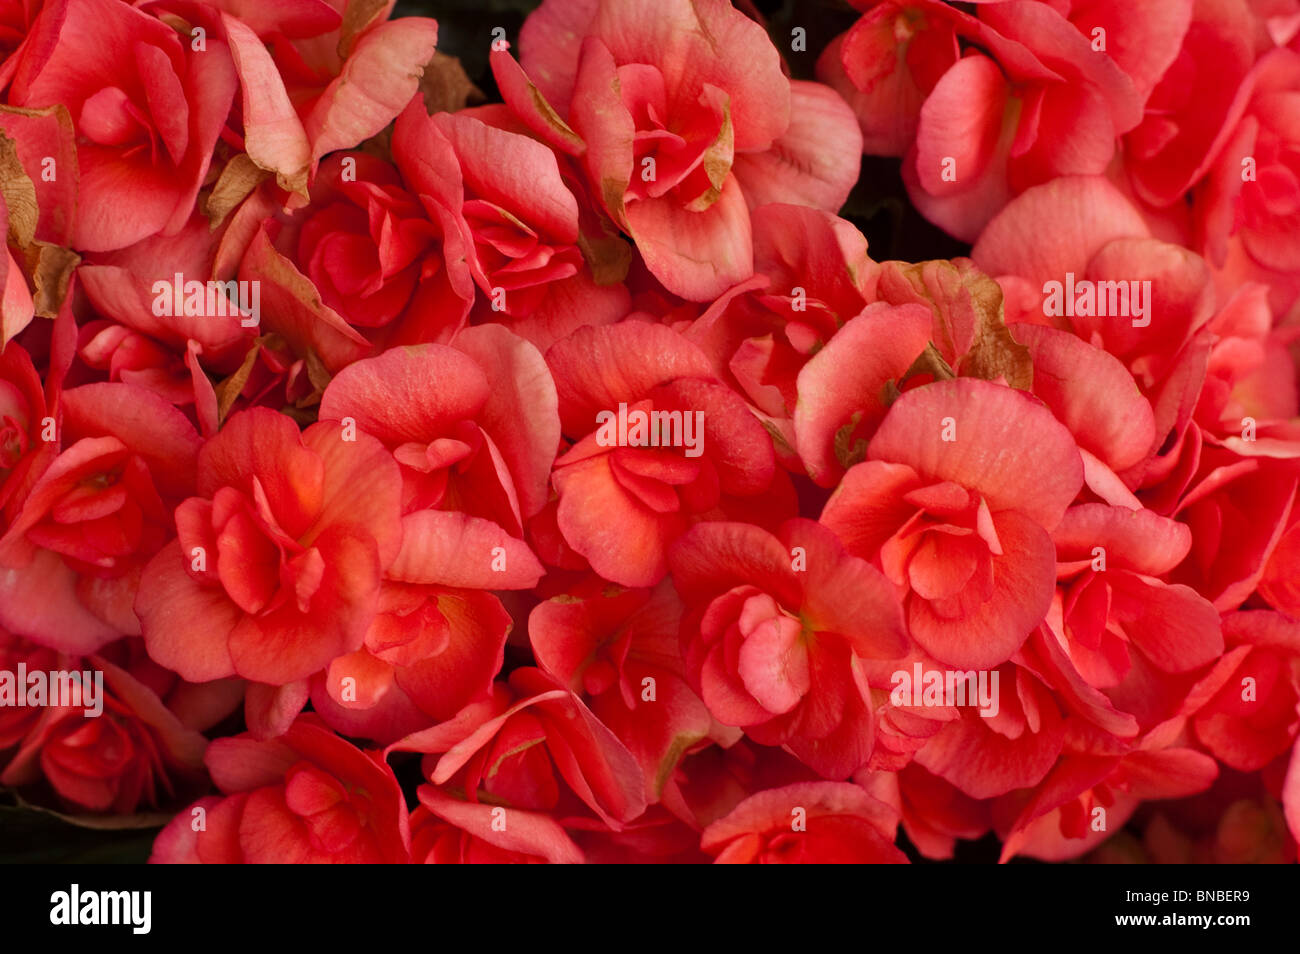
<point x="890" y="62"/>
<point x="148" y="109"/>
<point x="474" y="455"/>
<point x="381" y="248"/>
<point x="1247" y="207"/>
<point x="481" y="442"/>
<point x="308" y="797"/>
<point x="776" y="633"/>
<point x="1115" y="606"/>
<point x="618" y="649"/>
<point x="534" y="746"/>
<point x="1032" y="100"/>
<point x="437" y="638"/>
<point x="95" y="516"/>
<point x="1253" y="719"/>
<point x="280" y="556"/>
<point x="623" y="498"/>
<point x="682" y="121"/>
<point x="447" y="831"/>
<point x="136" y="754"/>
<point x="531" y="237"/>
<point x="964" y="482"/>
<point x="809" y="823"/>
<point x="367" y="242"/>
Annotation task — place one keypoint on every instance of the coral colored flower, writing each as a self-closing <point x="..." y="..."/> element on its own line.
<point x="481" y="442"/>
<point x="308" y="797"/>
<point x="618" y="649"/>
<point x="682" y="121"/>
<point x="147" y="119"/>
<point x="382" y="249"/>
<point x="134" y="754"/>
<point x="539" y="261"/>
<point x="963" y="484"/>
<point x="534" y="746"/>
<point x="775" y="635"/>
<point x="624" y="498"/>
<point x="279" y="559"/>
<point x="811" y="823"/>
<point x="95" y="516"/>
<point x="474" y="456"/>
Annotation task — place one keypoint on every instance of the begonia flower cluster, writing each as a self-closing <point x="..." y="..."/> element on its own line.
<point x="565" y="450"/>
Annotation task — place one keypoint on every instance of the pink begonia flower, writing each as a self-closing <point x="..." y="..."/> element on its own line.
<point x="308" y="797"/>
<point x="129" y="750"/>
<point x="621" y="504"/>
<point x="474" y="456"/>
<point x="775" y="635"/>
<point x="683" y="122"/>
<point x="536" y="267"/>
<point x="964" y="482"/>
<point x="812" y="823"/>
<point x="280" y="556"/>
<point x="75" y="551"/>
<point x="534" y="746"/>
<point x="619" y="650"/>
<point x="376" y="260"/>
<point x="146" y="120"/>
